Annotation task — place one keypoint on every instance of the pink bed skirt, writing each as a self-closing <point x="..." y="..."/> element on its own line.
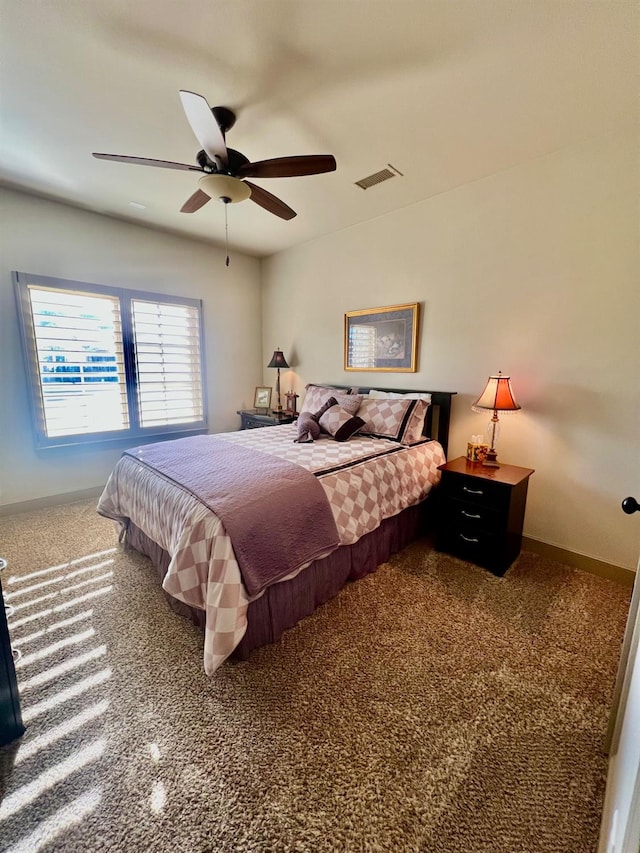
<point x="284" y="604"/>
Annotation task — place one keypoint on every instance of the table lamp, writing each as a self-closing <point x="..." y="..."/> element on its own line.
<point x="497" y="397"/>
<point x="278" y="360"/>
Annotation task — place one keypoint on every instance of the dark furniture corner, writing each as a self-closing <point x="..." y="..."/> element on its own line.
<point x="251" y="419"/>
<point x="482" y="512"/>
<point x="10" y="715"/>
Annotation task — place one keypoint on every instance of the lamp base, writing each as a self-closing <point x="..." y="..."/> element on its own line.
<point x="490" y="460"/>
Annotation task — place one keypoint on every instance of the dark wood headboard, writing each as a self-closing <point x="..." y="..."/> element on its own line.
<point x="438" y="418"/>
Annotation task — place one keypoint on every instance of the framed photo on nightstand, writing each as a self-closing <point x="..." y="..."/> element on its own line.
<point x="262" y="398"/>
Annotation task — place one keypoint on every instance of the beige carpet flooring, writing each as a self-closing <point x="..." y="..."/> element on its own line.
<point x="429" y="707"/>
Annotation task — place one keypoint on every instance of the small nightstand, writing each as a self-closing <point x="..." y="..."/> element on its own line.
<point x="482" y="512"/>
<point x="251" y="419"/>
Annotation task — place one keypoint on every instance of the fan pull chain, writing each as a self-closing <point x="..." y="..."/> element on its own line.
<point x="226" y="232"/>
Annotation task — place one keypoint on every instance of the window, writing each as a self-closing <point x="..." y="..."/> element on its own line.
<point x="107" y="363"/>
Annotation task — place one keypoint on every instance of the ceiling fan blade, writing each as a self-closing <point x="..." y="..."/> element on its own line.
<point x="289" y="167"/>
<point x="205" y="127"/>
<point x="270" y="202"/>
<point x="145" y="161"/>
<point x="195" y="202"/>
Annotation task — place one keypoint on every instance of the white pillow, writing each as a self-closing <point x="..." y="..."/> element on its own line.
<point x="411" y="395"/>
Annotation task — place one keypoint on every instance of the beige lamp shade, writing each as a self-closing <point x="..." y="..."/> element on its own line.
<point x="497" y="396"/>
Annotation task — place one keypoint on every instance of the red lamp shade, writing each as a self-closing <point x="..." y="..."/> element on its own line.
<point x="497" y="396"/>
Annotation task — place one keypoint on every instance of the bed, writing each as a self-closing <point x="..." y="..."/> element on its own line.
<point x="250" y="531"/>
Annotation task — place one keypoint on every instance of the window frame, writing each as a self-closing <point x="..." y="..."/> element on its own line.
<point x="125" y="297"/>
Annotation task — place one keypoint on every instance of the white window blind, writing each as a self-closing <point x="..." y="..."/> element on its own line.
<point x="107" y="363"/>
<point x="168" y="358"/>
<point x="80" y="362"/>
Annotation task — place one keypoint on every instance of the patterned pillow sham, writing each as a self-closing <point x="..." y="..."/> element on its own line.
<point x="317" y="395"/>
<point x="413" y="432"/>
<point x="376" y="394"/>
<point x="398" y="419"/>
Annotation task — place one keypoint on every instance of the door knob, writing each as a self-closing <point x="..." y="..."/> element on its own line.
<point x="630" y="505"/>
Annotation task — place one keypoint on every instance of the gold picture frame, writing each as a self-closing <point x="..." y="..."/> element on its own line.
<point x="262" y="398"/>
<point x="382" y="339"/>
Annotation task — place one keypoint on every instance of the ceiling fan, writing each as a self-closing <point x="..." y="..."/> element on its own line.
<point x="224" y="169"/>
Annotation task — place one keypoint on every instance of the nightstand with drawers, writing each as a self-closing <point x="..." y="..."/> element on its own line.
<point x="482" y="512"/>
<point x="251" y="419"/>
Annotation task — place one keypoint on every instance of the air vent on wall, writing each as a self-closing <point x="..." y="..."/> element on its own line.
<point x="378" y="177"/>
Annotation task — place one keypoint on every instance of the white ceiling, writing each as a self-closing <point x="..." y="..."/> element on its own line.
<point x="447" y="91"/>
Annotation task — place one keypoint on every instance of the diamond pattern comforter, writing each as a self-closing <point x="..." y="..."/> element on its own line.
<point x="365" y="480"/>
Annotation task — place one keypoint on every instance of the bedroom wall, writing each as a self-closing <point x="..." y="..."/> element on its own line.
<point x="47" y="238"/>
<point x="534" y="271"/>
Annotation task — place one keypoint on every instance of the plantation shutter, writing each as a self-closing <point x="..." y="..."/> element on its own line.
<point x="109" y="364"/>
<point x="79" y="362"/>
<point x="168" y="362"/>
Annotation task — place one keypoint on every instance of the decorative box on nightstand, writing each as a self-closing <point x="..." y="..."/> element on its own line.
<point x="482" y="512"/>
<point x="251" y="419"/>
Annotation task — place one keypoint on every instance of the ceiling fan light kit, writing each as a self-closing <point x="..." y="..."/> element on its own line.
<point x="225" y="188"/>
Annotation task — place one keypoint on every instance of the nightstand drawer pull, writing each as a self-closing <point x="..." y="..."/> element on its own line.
<point x="470" y="514"/>
<point x="468" y="539"/>
<point x="472" y="491"/>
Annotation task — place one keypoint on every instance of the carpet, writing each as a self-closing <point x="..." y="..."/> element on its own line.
<point x="429" y="707"/>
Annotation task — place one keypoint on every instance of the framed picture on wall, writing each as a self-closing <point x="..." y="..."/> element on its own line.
<point x="382" y="338"/>
<point x="262" y="398"/>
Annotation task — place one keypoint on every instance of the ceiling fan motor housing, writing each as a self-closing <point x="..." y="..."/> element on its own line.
<point x="225" y="117"/>
<point x="234" y="161"/>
